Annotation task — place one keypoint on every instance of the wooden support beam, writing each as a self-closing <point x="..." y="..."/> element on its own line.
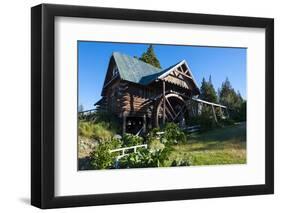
<point x="169" y="112"/>
<point x="164" y="102"/>
<point x="124" y="124"/>
<point x="221" y="111"/>
<point x="169" y="104"/>
<point x="184" y="74"/>
<point x="214" y="114"/>
<point x="227" y="113"/>
<point x="144" y="123"/>
<point x="181" y="69"/>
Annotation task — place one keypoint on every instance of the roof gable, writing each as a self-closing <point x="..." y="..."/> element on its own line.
<point x="136" y="71"/>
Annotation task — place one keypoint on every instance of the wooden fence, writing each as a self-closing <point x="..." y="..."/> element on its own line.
<point x="125" y="149"/>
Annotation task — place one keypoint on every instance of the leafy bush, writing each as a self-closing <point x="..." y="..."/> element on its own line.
<point x="115" y="143"/>
<point x="132" y="140"/>
<point x="174" y="134"/>
<point x="154" y="144"/>
<point x="101" y="158"/>
<point x="145" y="158"/>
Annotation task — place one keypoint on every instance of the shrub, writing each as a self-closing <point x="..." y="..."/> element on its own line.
<point x="132" y="140"/>
<point x="101" y="158"/>
<point x="174" y="134"/>
<point x="145" y="158"/>
<point x="115" y="143"/>
<point x="155" y="144"/>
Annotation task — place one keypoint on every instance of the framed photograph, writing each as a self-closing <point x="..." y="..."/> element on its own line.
<point x="139" y="106"/>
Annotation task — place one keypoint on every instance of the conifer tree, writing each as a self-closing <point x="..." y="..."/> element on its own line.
<point x="228" y="96"/>
<point x="207" y="90"/>
<point x="150" y="57"/>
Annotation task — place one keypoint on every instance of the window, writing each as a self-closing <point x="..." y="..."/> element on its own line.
<point x="114" y="72"/>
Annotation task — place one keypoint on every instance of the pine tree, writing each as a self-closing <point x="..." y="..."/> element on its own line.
<point x="207" y="90"/>
<point x="150" y="57"/>
<point x="228" y="96"/>
<point x="233" y="100"/>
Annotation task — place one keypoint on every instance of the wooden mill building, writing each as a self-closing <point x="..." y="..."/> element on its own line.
<point x="144" y="96"/>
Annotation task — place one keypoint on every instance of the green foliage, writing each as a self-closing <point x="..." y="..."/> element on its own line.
<point x="85" y="129"/>
<point x="101" y="131"/>
<point x="115" y="143"/>
<point x="101" y="158"/>
<point x="220" y="146"/>
<point x="155" y="144"/>
<point x="98" y="131"/>
<point x="103" y="127"/>
<point x="243" y="111"/>
<point x="182" y="162"/>
<point x="145" y="158"/>
<point x="233" y="100"/>
<point x="112" y="122"/>
<point x="206" y="120"/>
<point x="207" y="91"/>
<point x="132" y="140"/>
<point x="174" y="134"/>
<point x="150" y="57"/>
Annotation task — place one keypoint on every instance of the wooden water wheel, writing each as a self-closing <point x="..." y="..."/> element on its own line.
<point x="169" y="108"/>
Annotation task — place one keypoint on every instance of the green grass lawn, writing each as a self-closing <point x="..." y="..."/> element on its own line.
<point x="220" y="146"/>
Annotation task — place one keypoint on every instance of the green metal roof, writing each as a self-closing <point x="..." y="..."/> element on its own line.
<point x="136" y="71"/>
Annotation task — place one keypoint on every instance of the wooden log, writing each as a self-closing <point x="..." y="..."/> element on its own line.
<point x="214" y="114"/>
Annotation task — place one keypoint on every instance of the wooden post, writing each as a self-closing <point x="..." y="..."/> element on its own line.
<point x="227" y="112"/>
<point x="221" y="112"/>
<point x="144" y="123"/>
<point x="164" y="102"/>
<point x="124" y="124"/>
<point x="214" y="114"/>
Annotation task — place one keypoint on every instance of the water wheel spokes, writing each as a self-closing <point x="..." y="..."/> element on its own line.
<point x="175" y="107"/>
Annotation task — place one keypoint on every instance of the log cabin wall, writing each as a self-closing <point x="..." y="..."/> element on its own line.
<point x="136" y="100"/>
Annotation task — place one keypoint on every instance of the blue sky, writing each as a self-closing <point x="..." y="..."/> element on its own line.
<point x="93" y="58"/>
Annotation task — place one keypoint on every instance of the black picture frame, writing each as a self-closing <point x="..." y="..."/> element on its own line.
<point x="43" y="117"/>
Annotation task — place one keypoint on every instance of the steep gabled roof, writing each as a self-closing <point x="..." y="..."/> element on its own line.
<point x="134" y="70"/>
